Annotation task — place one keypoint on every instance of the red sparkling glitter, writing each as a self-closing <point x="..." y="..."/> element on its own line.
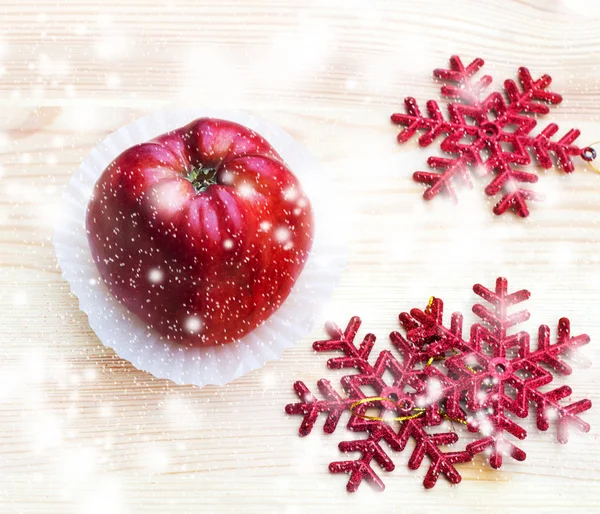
<point x="490" y="134"/>
<point x="482" y="383"/>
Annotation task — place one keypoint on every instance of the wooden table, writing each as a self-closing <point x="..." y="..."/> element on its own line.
<point x="82" y="431"/>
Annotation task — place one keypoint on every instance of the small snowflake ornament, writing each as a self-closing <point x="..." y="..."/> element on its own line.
<point x="489" y="135"/>
<point x="483" y="382"/>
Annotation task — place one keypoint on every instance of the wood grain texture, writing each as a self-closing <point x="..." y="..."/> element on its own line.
<point x="81" y="430"/>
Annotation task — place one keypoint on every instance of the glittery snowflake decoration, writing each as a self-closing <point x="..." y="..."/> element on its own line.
<point x="495" y="373"/>
<point x="394" y="401"/>
<point x="483" y="383"/>
<point x="489" y="135"/>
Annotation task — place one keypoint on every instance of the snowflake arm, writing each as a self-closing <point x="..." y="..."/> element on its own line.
<point x="334" y="405"/>
<point x="414" y="120"/>
<point x="452" y="169"/>
<point x="459" y="76"/>
<point x="426" y="445"/>
<point x="535" y="96"/>
<point x="542" y="145"/>
<point x="354" y="357"/>
<point x="550" y="354"/>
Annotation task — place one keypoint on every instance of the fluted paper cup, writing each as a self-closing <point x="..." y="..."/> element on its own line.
<point x="147" y="350"/>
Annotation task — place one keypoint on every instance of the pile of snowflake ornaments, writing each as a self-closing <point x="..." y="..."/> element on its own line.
<point x="481" y="381"/>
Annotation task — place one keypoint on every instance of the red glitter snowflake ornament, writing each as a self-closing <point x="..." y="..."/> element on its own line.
<point x="482" y="383"/>
<point x="495" y="373"/>
<point x="489" y="134"/>
<point x="396" y="404"/>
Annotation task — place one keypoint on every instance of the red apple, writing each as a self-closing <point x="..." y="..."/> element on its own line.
<point x="201" y="232"/>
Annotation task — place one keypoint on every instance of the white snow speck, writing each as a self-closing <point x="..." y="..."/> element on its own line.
<point x="227" y="178"/>
<point x="156" y="275"/>
<point x="111" y="46"/>
<point x="290" y="193"/>
<point x="20" y="298"/>
<point x="113" y="81"/>
<point x="246" y="190"/>
<point x="193" y="324"/>
<point x="269" y="380"/>
<point x="282" y="234"/>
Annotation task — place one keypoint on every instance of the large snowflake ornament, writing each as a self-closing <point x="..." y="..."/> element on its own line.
<point x="396" y="401"/>
<point x="489" y="134"/>
<point x="482" y="382"/>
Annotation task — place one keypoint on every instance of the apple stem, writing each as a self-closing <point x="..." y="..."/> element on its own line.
<point x="201" y="178"/>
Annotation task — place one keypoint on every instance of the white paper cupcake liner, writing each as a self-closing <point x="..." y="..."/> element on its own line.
<point x="119" y="329"/>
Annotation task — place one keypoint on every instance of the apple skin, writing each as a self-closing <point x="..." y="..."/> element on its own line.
<point x="206" y="263"/>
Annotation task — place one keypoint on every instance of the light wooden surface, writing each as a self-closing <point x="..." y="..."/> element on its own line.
<point x="83" y="431"/>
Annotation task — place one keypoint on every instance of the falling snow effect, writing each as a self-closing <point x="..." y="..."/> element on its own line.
<point x="481" y="383"/>
<point x="86" y="431"/>
<point x="488" y="135"/>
